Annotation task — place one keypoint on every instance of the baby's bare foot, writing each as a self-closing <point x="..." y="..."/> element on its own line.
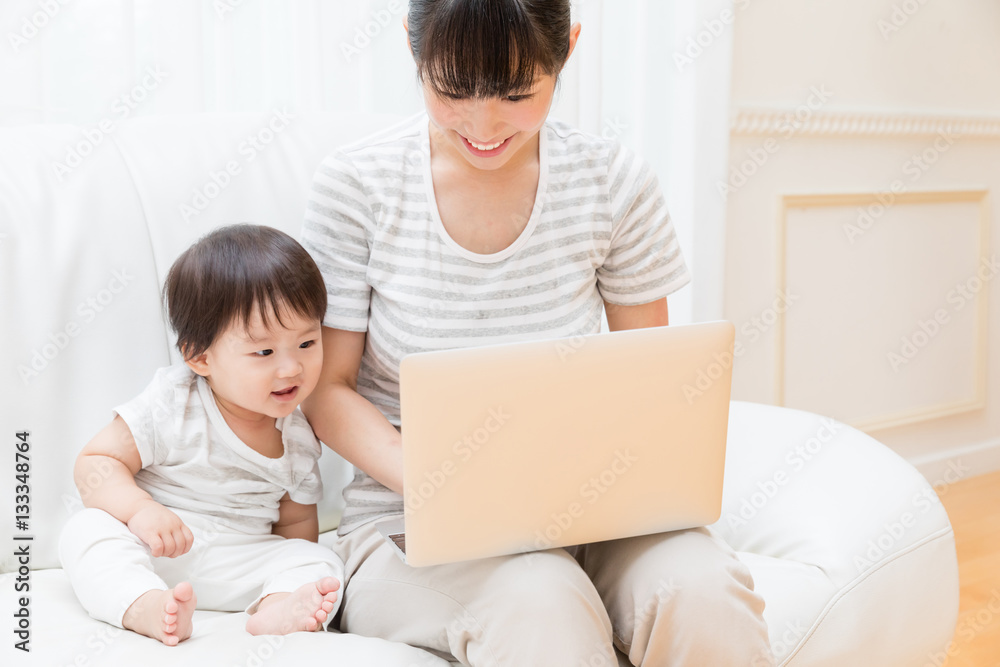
<point x="164" y="615"/>
<point x="303" y="610"/>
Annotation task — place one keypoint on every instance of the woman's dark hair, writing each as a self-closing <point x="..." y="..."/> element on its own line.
<point x="487" y="48"/>
<point x="230" y="273"/>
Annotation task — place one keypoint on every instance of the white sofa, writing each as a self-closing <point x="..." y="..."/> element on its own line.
<point x="847" y="543"/>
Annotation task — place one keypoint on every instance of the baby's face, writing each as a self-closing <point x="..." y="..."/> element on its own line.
<point x="266" y="371"/>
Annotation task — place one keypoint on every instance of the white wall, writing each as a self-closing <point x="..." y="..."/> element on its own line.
<point x="868" y="137"/>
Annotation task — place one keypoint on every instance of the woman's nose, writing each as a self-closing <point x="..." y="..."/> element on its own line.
<point x="483" y="120"/>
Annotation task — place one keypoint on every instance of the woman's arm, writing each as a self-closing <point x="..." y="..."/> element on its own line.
<point x="653" y="314"/>
<point x="355" y="429"/>
<point x="348" y="422"/>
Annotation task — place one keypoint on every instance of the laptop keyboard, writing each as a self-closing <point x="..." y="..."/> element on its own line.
<point x="399" y="539"/>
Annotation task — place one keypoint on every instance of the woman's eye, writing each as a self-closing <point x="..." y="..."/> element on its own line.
<point x="449" y="96"/>
<point x="263" y="353"/>
<point x="519" y="98"/>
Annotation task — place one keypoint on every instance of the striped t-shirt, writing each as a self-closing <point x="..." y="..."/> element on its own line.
<point x="599" y="231"/>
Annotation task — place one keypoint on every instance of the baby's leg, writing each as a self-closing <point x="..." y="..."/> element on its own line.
<point x="303" y="610"/>
<point x="304" y="593"/>
<point x="112" y="574"/>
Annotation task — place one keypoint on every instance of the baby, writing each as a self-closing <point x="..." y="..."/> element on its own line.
<point x="207" y="482"/>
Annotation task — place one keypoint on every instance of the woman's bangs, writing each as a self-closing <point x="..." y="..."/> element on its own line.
<point x="469" y="56"/>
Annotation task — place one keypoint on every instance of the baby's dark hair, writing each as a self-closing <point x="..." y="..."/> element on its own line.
<point x="487" y="48"/>
<point x="231" y="272"/>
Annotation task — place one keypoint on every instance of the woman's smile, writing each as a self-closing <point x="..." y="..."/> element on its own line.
<point x="486" y="149"/>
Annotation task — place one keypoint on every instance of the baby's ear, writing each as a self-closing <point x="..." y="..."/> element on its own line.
<point x="198" y="363"/>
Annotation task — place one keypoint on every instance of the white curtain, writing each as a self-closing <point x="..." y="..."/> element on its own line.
<point x="631" y="77"/>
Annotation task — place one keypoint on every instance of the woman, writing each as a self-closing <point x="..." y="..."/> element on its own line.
<point x="481" y="222"/>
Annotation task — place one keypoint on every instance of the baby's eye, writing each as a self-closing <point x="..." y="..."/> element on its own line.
<point x="263" y="353"/>
<point x="308" y="343"/>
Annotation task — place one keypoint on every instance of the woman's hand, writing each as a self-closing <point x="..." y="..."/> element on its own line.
<point x="162" y="530"/>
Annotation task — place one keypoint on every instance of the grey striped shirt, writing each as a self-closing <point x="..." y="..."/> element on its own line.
<point x="599" y="230"/>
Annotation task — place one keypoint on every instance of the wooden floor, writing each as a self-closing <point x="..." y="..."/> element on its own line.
<point x="973" y="506"/>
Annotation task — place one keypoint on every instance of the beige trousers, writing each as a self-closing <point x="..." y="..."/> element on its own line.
<point x="680" y="598"/>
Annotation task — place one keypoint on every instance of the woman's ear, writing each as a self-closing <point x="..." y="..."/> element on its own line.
<point x="574" y="34"/>
<point x="406" y="28"/>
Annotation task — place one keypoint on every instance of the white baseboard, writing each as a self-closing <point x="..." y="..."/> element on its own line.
<point x="960" y="463"/>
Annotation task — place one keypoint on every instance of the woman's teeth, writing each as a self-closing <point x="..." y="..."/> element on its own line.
<point x="484" y="147"/>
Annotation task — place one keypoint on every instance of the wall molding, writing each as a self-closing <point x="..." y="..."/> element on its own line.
<point x="803" y="121"/>
<point x="839" y="199"/>
<point x="941" y="468"/>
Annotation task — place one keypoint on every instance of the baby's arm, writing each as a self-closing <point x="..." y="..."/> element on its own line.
<point x="296" y="520"/>
<point x="105" y="475"/>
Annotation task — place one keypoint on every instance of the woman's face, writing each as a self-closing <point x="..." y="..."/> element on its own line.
<point x="491" y="133"/>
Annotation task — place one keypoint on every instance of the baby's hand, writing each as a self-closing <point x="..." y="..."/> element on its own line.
<point x="162" y="530"/>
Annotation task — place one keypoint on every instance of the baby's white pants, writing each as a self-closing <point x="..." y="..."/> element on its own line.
<point x="110" y="568"/>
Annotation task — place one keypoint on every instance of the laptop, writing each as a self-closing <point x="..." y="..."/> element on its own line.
<point x="528" y="446"/>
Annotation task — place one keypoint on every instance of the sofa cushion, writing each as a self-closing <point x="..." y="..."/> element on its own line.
<point x="829" y="521"/>
<point x="64" y="635"/>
